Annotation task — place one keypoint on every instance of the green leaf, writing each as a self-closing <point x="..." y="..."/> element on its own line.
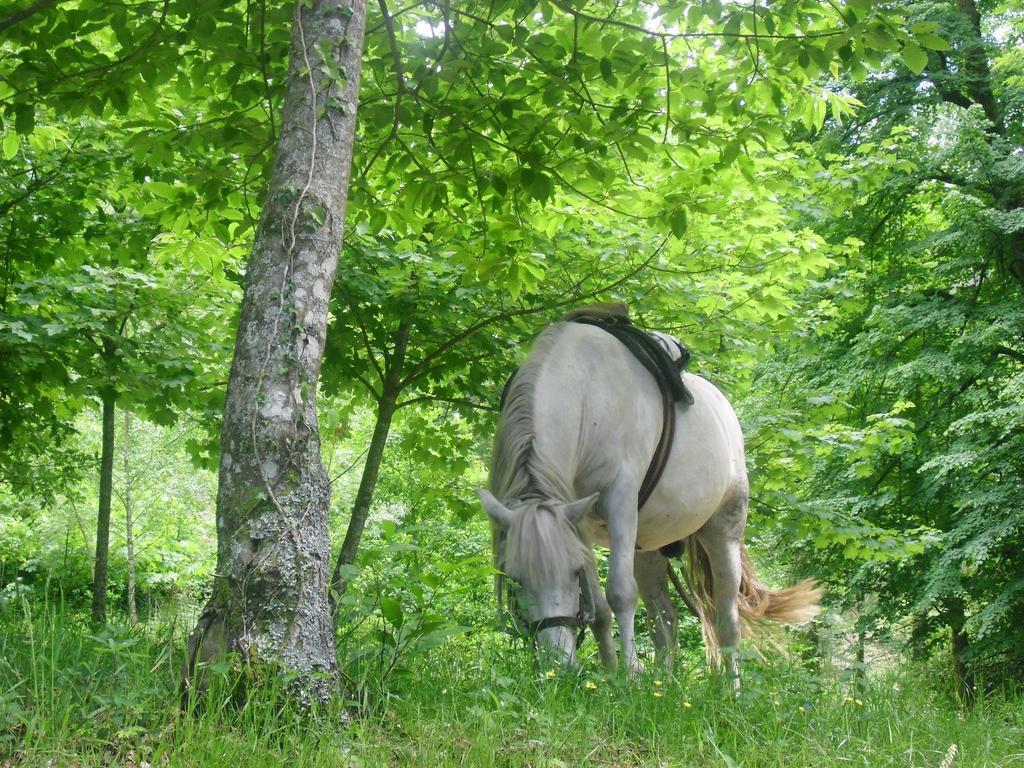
<point x="693" y="16"/>
<point x="11" y="145"/>
<point x="819" y="109"/>
<point x="914" y="57"/>
<point x="731" y="151"/>
<point x="881" y="39"/>
<point x="933" y="42"/>
<point x="541" y="187"/>
<point x="678" y="222"/>
<point x="161" y="189"/>
<point x="24" y="118"/>
<point x="391" y="610"/>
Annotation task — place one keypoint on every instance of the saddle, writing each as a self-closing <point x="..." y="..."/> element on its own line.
<point x="653" y="350"/>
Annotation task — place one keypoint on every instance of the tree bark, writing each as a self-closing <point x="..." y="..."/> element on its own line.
<point x="976" y="67"/>
<point x="101" y="567"/>
<point x="129" y="539"/>
<point x="269" y="603"/>
<point x="963" y="680"/>
<point x="387" y="404"/>
<point x="860" y="671"/>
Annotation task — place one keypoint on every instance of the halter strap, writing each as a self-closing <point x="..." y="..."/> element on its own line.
<point x="560" y="621"/>
<point x="515" y="626"/>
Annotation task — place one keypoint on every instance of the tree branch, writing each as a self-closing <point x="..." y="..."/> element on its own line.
<point x="20" y="16"/>
<point x="1011" y="353"/>
<point x="366" y="341"/>
<point x="396" y="58"/>
<point x="688" y="35"/>
<point x="452" y="400"/>
<point x="453" y="341"/>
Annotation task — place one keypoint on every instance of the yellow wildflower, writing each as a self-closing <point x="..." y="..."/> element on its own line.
<point x="550" y="673"/>
<point x="591" y="685"/>
<point x="657" y="683"/>
<point x="801" y="709"/>
<point x="687" y="704"/>
<point x="657" y="694"/>
<point x="858" y="702"/>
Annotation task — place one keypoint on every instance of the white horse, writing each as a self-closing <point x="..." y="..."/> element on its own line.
<point x="580" y="424"/>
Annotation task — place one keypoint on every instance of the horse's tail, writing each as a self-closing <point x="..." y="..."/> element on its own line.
<point x="757" y="603"/>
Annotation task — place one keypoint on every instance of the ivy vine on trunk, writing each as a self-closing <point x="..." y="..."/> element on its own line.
<point x="269" y="604"/>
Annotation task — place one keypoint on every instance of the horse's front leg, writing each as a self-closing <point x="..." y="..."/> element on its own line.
<point x="620" y="512"/>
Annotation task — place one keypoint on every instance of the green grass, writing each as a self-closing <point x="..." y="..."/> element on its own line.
<point x="69" y="696"/>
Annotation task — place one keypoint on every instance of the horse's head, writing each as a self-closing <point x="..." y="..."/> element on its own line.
<point x="547" y="570"/>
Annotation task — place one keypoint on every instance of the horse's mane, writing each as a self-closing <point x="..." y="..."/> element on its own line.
<point x="517" y="470"/>
<point x="540" y="538"/>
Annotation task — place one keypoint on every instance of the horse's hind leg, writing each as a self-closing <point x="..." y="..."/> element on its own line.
<point x="721" y="537"/>
<point x="651" y="572"/>
<point x="601" y="625"/>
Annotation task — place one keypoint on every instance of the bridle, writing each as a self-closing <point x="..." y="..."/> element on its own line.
<point x="517" y="626"/>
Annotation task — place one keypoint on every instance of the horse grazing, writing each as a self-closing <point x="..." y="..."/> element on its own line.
<point x="577" y="433"/>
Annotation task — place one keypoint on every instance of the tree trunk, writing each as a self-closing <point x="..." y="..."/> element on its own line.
<point x="977" y="74"/>
<point x="977" y="71"/>
<point x="861" y="670"/>
<point x="386" y="407"/>
<point x="129" y="539"/>
<point x="269" y="603"/>
<point x="963" y="680"/>
<point x="100" y="569"/>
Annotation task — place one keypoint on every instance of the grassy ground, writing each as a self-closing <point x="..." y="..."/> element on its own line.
<point x="72" y="697"/>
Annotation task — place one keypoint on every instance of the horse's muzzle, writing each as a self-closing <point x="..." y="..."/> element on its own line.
<point x="559" y="643"/>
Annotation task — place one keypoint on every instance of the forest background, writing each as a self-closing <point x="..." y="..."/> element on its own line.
<point x="824" y="201"/>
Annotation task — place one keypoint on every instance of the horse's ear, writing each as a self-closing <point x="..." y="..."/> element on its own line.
<point x="577" y="510"/>
<point x="495" y="510"/>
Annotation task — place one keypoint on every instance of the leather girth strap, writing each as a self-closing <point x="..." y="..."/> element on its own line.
<point x="662" y="451"/>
